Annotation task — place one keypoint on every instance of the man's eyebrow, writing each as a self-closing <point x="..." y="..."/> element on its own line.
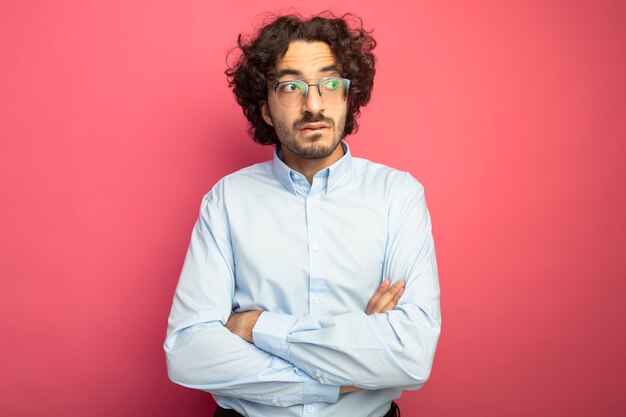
<point x="287" y="71"/>
<point x="334" y="68"/>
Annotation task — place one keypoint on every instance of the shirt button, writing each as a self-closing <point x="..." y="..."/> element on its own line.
<point x="315" y="246"/>
<point x="317" y="374"/>
<point x="316" y="300"/>
<point x="274" y="401"/>
<point x="310" y="408"/>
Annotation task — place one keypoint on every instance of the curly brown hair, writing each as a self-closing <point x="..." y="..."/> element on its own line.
<point x="256" y="64"/>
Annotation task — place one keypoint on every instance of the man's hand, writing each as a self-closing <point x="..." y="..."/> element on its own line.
<point x="345" y="390"/>
<point x="242" y="323"/>
<point x="385" y="298"/>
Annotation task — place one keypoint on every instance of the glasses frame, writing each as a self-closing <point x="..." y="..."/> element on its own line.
<point x="307" y="85"/>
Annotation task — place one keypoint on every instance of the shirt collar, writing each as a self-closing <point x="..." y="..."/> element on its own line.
<point x="335" y="172"/>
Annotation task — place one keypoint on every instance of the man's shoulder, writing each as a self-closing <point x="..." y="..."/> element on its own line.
<point x="392" y="178"/>
<point x="245" y="178"/>
<point x="253" y="173"/>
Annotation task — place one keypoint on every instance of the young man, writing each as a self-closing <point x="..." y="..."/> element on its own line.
<point x="310" y="286"/>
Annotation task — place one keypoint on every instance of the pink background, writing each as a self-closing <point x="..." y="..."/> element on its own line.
<point x="115" y="119"/>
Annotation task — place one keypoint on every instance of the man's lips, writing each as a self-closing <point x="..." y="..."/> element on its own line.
<point x="314" y="126"/>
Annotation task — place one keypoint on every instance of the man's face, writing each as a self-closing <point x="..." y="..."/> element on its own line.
<point x="314" y="129"/>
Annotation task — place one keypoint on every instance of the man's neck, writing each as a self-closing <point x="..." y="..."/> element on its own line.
<point x="310" y="167"/>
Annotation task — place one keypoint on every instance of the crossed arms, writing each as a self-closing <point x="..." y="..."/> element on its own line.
<point x="298" y="360"/>
<point x="384" y="299"/>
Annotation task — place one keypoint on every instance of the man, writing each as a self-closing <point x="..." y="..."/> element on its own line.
<point x="310" y="285"/>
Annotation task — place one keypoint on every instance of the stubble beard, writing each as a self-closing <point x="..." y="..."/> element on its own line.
<point x="310" y="148"/>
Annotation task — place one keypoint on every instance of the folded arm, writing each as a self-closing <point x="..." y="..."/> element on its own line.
<point x="208" y="357"/>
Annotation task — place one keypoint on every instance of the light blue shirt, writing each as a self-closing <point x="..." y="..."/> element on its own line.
<point x="310" y="257"/>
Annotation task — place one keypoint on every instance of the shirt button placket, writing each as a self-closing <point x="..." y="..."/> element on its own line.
<point x="316" y="280"/>
<point x="310" y="410"/>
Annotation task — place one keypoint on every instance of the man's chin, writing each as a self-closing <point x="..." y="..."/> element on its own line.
<point x="318" y="151"/>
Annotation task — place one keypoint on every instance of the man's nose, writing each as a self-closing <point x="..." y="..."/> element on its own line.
<point x="313" y="101"/>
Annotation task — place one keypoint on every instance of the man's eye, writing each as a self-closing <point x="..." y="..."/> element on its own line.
<point x="291" y="87"/>
<point x="331" y="84"/>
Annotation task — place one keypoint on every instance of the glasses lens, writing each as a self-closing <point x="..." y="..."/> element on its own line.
<point x="291" y="93"/>
<point x="334" y="90"/>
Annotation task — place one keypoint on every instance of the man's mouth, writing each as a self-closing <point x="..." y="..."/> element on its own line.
<point x="312" y="127"/>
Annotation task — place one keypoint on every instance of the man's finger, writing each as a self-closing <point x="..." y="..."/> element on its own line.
<point x="394" y="301"/>
<point x="388" y="298"/>
<point x="382" y="289"/>
<point x="381" y="303"/>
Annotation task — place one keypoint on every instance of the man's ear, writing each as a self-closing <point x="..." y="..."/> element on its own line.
<point x="265" y="112"/>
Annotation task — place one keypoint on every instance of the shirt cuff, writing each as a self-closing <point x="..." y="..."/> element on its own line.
<point x="270" y="333"/>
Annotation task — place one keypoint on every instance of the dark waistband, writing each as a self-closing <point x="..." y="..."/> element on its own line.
<point x="394" y="411"/>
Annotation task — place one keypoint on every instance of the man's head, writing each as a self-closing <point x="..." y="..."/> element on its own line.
<point x="313" y="50"/>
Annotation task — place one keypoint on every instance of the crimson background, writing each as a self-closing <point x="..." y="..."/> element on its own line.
<point x="115" y="119"/>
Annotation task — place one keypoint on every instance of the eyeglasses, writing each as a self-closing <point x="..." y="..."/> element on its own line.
<point x="292" y="93"/>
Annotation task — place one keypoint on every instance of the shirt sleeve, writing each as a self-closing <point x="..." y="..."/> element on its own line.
<point x="392" y="349"/>
<point x="201" y="353"/>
